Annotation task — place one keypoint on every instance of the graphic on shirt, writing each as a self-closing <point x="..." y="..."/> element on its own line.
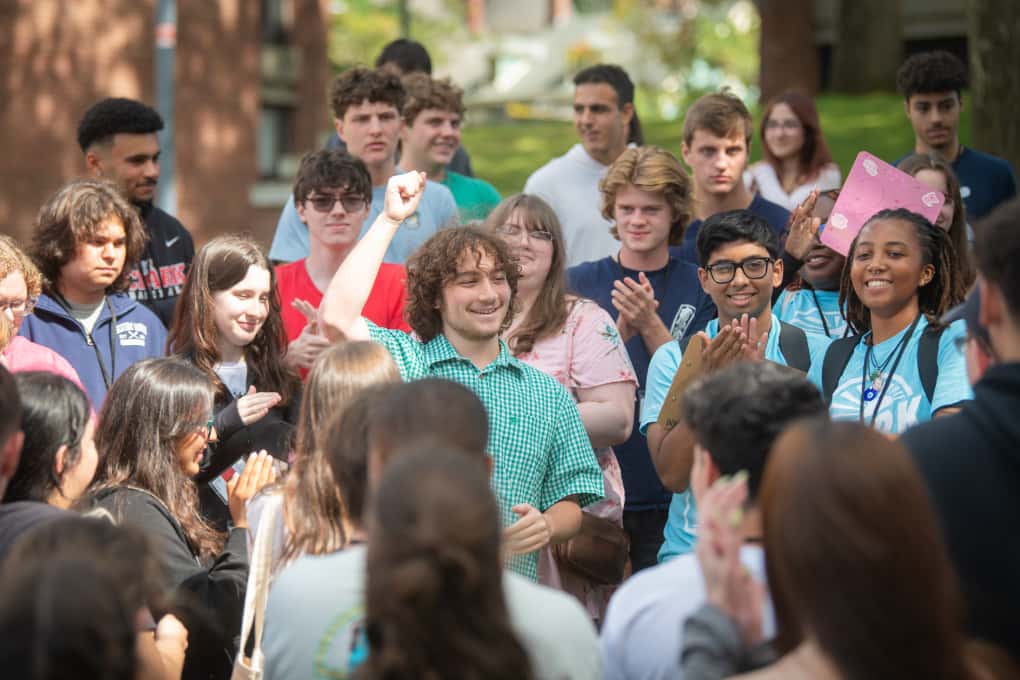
<point x="342" y="645"/>
<point x="898" y="410"/>
<point x="149" y="282"/>
<point x="684" y="316"/>
<point x="807" y="319"/>
<point x="132" y="334"/>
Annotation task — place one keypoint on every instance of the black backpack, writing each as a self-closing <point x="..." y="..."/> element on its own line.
<point x="838" y="354"/>
<point x="792" y="343"/>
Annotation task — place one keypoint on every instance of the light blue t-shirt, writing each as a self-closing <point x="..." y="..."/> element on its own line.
<point x="682" y="525"/>
<point x="905" y="404"/>
<point x="436" y="211"/>
<point x="798" y="308"/>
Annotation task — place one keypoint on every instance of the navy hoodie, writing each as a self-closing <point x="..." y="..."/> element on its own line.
<point x="971" y="463"/>
<point x="112" y="347"/>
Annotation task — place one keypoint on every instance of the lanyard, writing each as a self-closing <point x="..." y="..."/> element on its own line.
<point x="107" y="377"/>
<point x="885" y="380"/>
<point x="821" y="314"/>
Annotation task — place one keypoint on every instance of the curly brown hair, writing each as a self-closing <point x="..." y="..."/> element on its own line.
<point x="72" y="216"/>
<point x="425" y="92"/>
<point x="434" y="265"/>
<point x="655" y="170"/>
<point x="360" y="84"/>
<point x="13" y="259"/>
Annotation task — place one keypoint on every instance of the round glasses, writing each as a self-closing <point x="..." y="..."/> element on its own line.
<point x="516" y="230"/>
<point x="753" y="268"/>
<point x="324" y="203"/>
<point x="22" y="306"/>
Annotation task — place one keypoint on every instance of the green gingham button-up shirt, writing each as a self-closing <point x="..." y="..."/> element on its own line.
<point x="540" y="449"/>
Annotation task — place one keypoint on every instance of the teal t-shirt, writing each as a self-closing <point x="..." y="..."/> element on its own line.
<point x="475" y="197"/>
<point x="682" y="526"/>
<point x="807" y="308"/>
<point x="905" y="404"/>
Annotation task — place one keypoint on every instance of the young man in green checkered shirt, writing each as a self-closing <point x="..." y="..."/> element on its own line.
<point x="461" y="284"/>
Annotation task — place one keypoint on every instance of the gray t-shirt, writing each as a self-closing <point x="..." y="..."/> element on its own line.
<point x="316" y="608"/>
<point x="234" y="375"/>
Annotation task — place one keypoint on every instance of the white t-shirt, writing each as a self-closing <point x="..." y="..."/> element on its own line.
<point x="643" y="631"/>
<point x="316" y="609"/>
<point x="87" y="314"/>
<point x="570" y="185"/>
<point x="764" y="176"/>
<point x="234" y="375"/>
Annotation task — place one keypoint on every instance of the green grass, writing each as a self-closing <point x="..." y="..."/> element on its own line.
<point x="506" y="153"/>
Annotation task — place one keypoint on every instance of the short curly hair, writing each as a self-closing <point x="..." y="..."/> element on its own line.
<point x="13" y="259"/>
<point x="425" y="92"/>
<point x="360" y="84"/>
<point x="655" y="170"/>
<point x="434" y="265"/>
<point x="930" y="72"/>
<point x="332" y="169"/>
<point x="115" y="115"/>
<point x="72" y="216"/>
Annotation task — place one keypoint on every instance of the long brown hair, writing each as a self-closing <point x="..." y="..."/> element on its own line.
<point x="313" y="504"/>
<point x="549" y="312"/>
<point x="220" y="264"/>
<point x="966" y="271"/>
<point x="814" y="154"/>
<point x="434" y="601"/>
<point x="933" y="299"/>
<point x="149" y="410"/>
<point x="854" y="556"/>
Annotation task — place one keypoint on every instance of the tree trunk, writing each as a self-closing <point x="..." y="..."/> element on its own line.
<point x="869" y="46"/>
<point x="789" y="60"/>
<point x="994" y="48"/>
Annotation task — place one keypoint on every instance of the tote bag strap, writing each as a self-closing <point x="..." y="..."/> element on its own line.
<point x="257" y="592"/>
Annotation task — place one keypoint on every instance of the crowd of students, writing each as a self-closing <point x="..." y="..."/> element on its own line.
<point x="635" y="422"/>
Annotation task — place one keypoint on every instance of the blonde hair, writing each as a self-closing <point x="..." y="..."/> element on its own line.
<point x="13" y="259"/>
<point x="312" y="503"/>
<point x="655" y="170"/>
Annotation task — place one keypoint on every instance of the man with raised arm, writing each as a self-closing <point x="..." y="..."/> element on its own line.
<point x="461" y="284"/>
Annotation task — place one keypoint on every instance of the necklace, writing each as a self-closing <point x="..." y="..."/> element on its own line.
<point x="879" y="381"/>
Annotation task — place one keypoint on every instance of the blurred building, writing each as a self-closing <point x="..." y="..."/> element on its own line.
<point x="251" y="84"/>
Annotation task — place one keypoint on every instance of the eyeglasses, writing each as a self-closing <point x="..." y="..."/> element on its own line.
<point x="788" y="125"/>
<point x="207" y="427"/>
<point x="515" y="231"/>
<point x="753" y="268"/>
<point x="325" y="203"/>
<point x="22" y="306"/>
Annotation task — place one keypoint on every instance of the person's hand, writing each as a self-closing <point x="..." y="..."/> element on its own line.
<point x="403" y="192"/>
<point x="635" y="301"/>
<point x="171" y="642"/>
<point x="699" y="475"/>
<point x="258" y="472"/>
<point x="625" y="330"/>
<point x="728" y="584"/>
<point x="724" y="349"/>
<point x="754" y="342"/>
<point x="253" y="406"/>
<point x="305" y="348"/>
<point x="529" y="533"/>
<point x="802" y="229"/>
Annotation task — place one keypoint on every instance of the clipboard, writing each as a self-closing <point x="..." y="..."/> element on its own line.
<point x="686" y="372"/>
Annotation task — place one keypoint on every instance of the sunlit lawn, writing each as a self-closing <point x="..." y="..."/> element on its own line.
<point x="506" y="153"/>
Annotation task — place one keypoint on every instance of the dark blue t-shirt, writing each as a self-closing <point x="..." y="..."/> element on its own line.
<point x="776" y="215"/>
<point x="684" y="309"/>
<point x="985" y="181"/>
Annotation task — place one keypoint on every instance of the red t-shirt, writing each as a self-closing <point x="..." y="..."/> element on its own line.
<point x="384" y="307"/>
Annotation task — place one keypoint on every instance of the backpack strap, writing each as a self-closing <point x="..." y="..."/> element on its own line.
<point x="837" y="356"/>
<point x="928" y="359"/>
<point x="794" y="346"/>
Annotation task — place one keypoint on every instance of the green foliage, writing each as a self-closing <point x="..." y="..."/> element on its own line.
<point x="505" y="154"/>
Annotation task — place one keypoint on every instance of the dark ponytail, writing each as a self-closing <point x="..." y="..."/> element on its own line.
<point x="434" y="603"/>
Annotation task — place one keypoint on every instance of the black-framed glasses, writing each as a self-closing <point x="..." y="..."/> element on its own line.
<point x="324" y="202"/>
<point x="515" y="230"/>
<point x="753" y="268"/>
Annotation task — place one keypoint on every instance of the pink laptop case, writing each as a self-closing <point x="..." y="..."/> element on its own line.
<point x="871" y="186"/>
